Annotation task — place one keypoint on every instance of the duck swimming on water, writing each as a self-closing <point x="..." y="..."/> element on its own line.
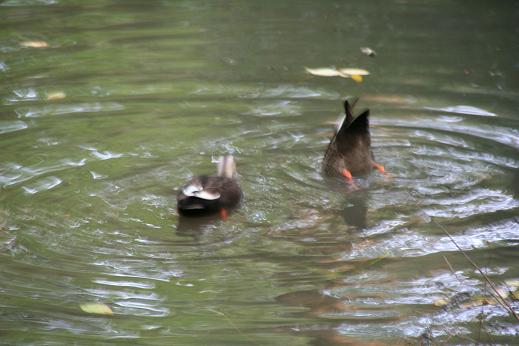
<point x="349" y="152"/>
<point x="204" y="194"/>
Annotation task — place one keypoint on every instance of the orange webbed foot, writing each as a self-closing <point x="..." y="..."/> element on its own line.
<point x="379" y="168"/>
<point x="223" y="214"/>
<point x="349" y="179"/>
<point x="347" y="174"/>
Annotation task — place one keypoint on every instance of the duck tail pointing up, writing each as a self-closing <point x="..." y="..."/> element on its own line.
<point x="348" y="109"/>
<point x="226" y="166"/>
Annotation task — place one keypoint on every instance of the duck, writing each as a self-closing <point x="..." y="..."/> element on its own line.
<point x="349" y="152"/>
<point x="204" y="194"/>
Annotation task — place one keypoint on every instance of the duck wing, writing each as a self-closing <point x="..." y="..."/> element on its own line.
<point x="203" y="187"/>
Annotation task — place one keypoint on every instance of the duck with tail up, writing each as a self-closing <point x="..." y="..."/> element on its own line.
<point x="219" y="193"/>
<point x="349" y="152"/>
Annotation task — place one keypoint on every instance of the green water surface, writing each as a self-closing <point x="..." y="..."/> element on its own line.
<point x="129" y="99"/>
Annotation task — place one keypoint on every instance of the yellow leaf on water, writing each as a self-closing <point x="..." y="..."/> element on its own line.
<point x="323" y="71"/>
<point x="440" y="302"/>
<point x="34" y="44"/>
<point x="503" y="293"/>
<point x="512" y="283"/>
<point x="56" y="95"/>
<point x="96" y="308"/>
<point x="357" y="78"/>
<point x="353" y="71"/>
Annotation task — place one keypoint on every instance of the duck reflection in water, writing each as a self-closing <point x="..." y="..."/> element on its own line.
<point x="195" y="227"/>
<point x="355" y="212"/>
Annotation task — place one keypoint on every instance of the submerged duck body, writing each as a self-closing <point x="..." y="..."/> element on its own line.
<point x="204" y="194"/>
<point x="349" y="152"/>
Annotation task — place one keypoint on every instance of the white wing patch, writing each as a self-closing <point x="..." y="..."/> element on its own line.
<point x="207" y="195"/>
<point x="191" y="189"/>
<point x="195" y="190"/>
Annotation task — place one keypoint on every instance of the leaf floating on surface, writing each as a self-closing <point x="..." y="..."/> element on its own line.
<point x="357" y="78"/>
<point x="96" y="308"/>
<point x="56" y="95"/>
<point x="503" y="293"/>
<point x="368" y="51"/>
<point x="323" y="71"/>
<point x="440" y="302"/>
<point x="353" y="71"/>
<point x="34" y="44"/>
<point x="512" y="283"/>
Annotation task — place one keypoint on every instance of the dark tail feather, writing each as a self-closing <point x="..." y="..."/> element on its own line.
<point x="348" y="109"/>
<point x="347" y="137"/>
<point x="360" y="124"/>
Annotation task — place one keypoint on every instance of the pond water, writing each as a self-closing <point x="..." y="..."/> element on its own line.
<point x="108" y="107"/>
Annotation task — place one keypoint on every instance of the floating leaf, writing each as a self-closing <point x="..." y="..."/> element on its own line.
<point x="440" y="302"/>
<point x="503" y="293"/>
<point x="323" y="71"/>
<point x="478" y="301"/>
<point x="96" y="308"/>
<point x="512" y="283"/>
<point x="357" y="78"/>
<point x="368" y="51"/>
<point x="418" y="219"/>
<point x="56" y="95"/>
<point x="34" y="44"/>
<point x="353" y="71"/>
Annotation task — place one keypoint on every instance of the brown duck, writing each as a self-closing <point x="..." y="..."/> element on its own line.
<point x="204" y="194"/>
<point x="349" y="152"/>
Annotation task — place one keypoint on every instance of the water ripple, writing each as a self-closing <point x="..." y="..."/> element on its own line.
<point x="407" y="243"/>
<point x="42" y="185"/>
<point x="469" y="110"/>
<point x="29" y="2"/>
<point x="133" y="284"/>
<point x="499" y="134"/>
<point x="477" y="202"/>
<point x="11" y="126"/>
<point x="12" y="173"/>
<point x="92" y="107"/>
<point x="101" y="155"/>
<point x="281" y="108"/>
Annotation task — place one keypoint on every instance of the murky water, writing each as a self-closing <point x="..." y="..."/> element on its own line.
<point x="129" y="99"/>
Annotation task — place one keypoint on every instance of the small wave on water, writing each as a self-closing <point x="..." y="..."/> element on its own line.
<point x="11" y="126"/>
<point x="95" y="107"/>
<point x="469" y="110"/>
